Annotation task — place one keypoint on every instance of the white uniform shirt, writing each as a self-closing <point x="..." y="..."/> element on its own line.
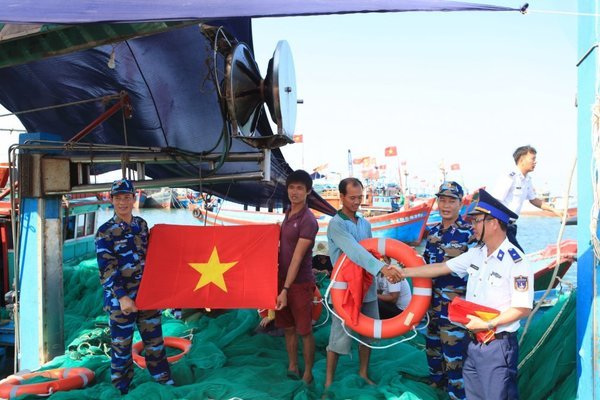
<point x="513" y="189"/>
<point x="501" y="281"/>
<point x="403" y="287"/>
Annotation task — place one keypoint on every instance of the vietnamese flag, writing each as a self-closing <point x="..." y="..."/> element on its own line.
<point x="459" y="309"/>
<point x="455" y="167"/>
<point x="210" y="267"/>
<point x="391" y="151"/>
<point x="298" y="138"/>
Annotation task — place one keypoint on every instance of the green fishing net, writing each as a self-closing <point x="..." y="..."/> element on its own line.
<point x="228" y="359"/>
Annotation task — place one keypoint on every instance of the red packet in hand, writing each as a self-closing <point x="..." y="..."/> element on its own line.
<point x="458" y="310"/>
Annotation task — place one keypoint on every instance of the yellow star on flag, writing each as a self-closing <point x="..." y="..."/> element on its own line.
<point x="212" y="271"/>
<point x="486" y="316"/>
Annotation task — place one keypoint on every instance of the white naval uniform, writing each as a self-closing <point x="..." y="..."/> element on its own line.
<point x="513" y="190"/>
<point x="501" y="281"/>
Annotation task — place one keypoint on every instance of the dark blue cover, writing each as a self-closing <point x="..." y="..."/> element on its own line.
<point x="84" y="11"/>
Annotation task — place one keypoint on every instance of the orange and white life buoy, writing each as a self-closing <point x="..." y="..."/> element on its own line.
<point x="402" y="323"/>
<point x="175" y="342"/>
<point x="64" y="379"/>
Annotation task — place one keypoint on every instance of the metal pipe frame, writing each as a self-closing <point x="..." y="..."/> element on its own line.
<point x="171" y="182"/>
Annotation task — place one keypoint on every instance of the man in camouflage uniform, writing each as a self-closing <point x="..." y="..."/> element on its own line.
<point x="447" y="240"/>
<point x="121" y="245"/>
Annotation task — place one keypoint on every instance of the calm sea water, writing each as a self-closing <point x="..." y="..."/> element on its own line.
<point x="535" y="233"/>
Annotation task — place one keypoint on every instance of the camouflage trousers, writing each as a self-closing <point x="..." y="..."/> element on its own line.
<point x="445" y="350"/>
<point x="121" y="332"/>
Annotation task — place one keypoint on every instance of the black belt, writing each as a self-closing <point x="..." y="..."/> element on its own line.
<point x="499" y="335"/>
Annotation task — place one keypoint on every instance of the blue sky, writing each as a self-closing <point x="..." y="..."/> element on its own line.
<point x="462" y="87"/>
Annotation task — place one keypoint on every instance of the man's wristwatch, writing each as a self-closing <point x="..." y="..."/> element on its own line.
<point x="490" y="326"/>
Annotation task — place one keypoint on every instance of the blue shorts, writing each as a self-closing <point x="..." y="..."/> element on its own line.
<point x="339" y="341"/>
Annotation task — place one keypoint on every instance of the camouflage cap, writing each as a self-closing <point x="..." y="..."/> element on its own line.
<point x="450" y="189"/>
<point x="122" y="186"/>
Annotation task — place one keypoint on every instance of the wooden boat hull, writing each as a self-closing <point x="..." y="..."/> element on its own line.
<point x="407" y="226"/>
<point x="543" y="263"/>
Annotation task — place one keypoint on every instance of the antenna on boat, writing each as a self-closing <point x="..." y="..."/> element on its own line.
<point x="246" y="93"/>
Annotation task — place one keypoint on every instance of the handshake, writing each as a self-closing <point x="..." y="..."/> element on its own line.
<point x="392" y="273"/>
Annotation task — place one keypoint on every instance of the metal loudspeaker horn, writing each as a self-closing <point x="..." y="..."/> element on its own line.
<point x="246" y="92"/>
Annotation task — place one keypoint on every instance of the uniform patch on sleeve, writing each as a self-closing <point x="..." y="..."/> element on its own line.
<point x="514" y="255"/>
<point x="500" y="255"/>
<point x="475" y="267"/>
<point x="521" y="283"/>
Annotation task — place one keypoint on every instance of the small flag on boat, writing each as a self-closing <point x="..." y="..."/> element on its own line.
<point x="298" y="139"/>
<point x="391" y="151"/>
<point x="455" y="167"/>
<point x="202" y="267"/>
<point x="369" y="162"/>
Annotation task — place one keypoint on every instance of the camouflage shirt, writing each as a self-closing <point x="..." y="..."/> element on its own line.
<point x="445" y="244"/>
<point x="121" y="252"/>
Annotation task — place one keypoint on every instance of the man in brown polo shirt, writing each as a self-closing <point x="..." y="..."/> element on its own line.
<point x="296" y="279"/>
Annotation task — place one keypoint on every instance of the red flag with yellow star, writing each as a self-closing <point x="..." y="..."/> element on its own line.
<point x="391" y="151"/>
<point x="459" y="309"/>
<point x="210" y="267"/>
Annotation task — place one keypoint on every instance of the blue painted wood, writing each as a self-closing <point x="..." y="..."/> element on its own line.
<point x="30" y="333"/>
<point x="588" y="286"/>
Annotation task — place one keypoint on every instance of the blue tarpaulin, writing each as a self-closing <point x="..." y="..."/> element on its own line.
<point x="86" y="11"/>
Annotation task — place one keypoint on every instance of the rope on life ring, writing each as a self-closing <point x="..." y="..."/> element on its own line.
<point x="64" y="379"/>
<point x="170" y="341"/>
<point x="411" y="316"/>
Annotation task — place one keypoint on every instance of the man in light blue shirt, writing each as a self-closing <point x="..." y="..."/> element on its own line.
<point x="346" y="229"/>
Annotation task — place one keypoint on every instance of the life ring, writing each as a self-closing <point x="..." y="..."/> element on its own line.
<point x="175" y="342"/>
<point x="64" y="379"/>
<point x="411" y="316"/>
<point x="197" y="213"/>
<point x="317" y="307"/>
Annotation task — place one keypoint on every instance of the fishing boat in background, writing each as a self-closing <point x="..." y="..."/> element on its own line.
<point x="544" y="262"/>
<point x="572" y="216"/>
<point x="140" y="198"/>
<point x="159" y="198"/>
<point x="407" y="225"/>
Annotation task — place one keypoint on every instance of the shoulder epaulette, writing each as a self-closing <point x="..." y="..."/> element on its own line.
<point x="514" y="255"/>
<point x="500" y="255"/>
